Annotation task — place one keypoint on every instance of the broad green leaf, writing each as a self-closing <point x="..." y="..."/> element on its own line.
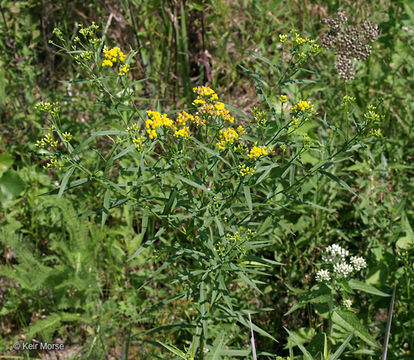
<point x="350" y="322"/>
<point x="359" y="285"/>
<point x="11" y="185"/>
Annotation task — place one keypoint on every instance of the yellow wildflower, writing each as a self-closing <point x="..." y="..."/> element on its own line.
<point x="182" y="119"/>
<point x="107" y="62"/>
<point x="205" y="91"/>
<point x="219" y="106"/>
<point x="123" y="70"/>
<point x="257" y="151"/>
<point x="300" y="40"/>
<point x="228" y="137"/>
<point x="283" y="98"/>
<point x="133" y="127"/>
<point x="138" y="142"/>
<point x="301" y="106"/>
<point x="184" y="133"/>
<point x="156" y="120"/>
<point x="113" y="55"/>
<point x="245" y="170"/>
<point x="199" y="101"/>
<point x="67" y="137"/>
<point x="283" y="38"/>
<point x="199" y="121"/>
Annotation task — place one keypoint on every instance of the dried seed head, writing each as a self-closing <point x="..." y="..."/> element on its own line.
<point x="349" y="42"/>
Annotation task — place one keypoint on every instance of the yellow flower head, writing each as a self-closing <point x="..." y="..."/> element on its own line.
<point x="283" y="38"/>
<point x="183" y="117"/>
<point x="199" y="101"/>
<point x="184" y="133"/>
<point x="245" y="170"/>
<point x="124" y="70"/>
<point x="138" y="142"/>
<point x="156" y="120"/>
<point x="301" y="106"/>
<point x="228" y="137"/>
<point x="107" y="62"/>
<point x="257" y="151"/>
<point x="205" y="91"/>
<point x="300" y="40"/>
<point x="113" y="55"/>
<point x="283" y="98"/>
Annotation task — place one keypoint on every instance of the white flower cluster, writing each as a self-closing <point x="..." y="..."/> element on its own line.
<point x="347" y="303"/>
<point x="335" y="253"/>
<point x="343" y="268"/>
<point x="358" y="263"/>
<point x="323" y="275"/>
<point x="337" y="256"/>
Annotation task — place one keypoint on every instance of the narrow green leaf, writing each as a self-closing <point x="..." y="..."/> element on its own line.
<point x="65" y="181"/>
<point x="217" y="351"/>
<point x="248" y="197"/>
<point x="105" y="208"/>
<point x="300" y="345"/>
<point x="342" y="348"/>
<point x="338" y="180"/>
<point x="124" y="152"/>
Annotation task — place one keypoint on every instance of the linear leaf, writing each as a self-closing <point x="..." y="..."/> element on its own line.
<point x="300" y="345"/>
<point x="65" y="181"/>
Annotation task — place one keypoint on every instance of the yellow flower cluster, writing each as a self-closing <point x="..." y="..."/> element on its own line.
<point x="283" y="98"/>
<point x="182" y="118"/>
<point x="301" y="106"/>
<point x="183" y="132"/>
<point x="245" y="170"/>
<point x="133" y="127"/>
<point x="283" y="38"/>
<point x="47" y="140"/>
<point x="300" y="40"/>
<point x="124" y="70"/>
<point x="113" y="55"/>
<point x="372" y="115"/>
<point x="154" y="121"/>
<point x="53" y="163"/>
<point x="228" y="137"/>
<point x="138" y="142"/>
<point x="257" y="151"/>
<point x="47" y="107"/>
<point x="67" y="136"/>
<point x="204" y="98"/>
<point x="204" y="91"/>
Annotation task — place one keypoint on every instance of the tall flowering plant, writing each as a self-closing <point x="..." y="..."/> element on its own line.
<point x="206" y="178"/>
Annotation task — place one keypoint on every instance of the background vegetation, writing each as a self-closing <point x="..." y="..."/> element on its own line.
<point x="65" y="278"/>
